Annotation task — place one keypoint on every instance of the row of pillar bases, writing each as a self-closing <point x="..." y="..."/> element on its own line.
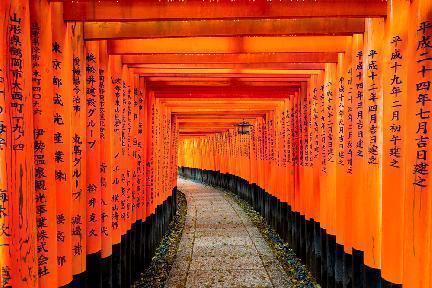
<point x="132" y="255"/>
<point x="326" y="259"/>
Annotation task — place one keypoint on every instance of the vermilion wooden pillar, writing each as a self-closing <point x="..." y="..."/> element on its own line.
<point x="373" y="95"/>
<point x="394" y="170"/>
<point x="93" y="161"/>
<point x="45" y="186"/>
<point x="308" y="152"/>
<point x="359" y="199"/>
<point x="342" y="185"/>
<point x="115" y="126"/>
<point x="417" y="228"/>
<point x="143" y="154"/>
<point x="314" y="150"/>
<point x="79" y="148"/>
<point x="106" y="162"/>
<point x="348" y="153"/>
<point x="322" y="151"/>
<point x="62" y="100"/>
<point x="330" y="96"/>
<point x="138" y="142"/>
<point x="149" y="152"/>
<point x="5" y="238"/>
<point x="19" y="242"/>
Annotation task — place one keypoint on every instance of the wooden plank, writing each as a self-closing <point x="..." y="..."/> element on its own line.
<point x="187" y="125"/>
<point x="145" y="71"/>
<point x="273" y="66"/>
<point x="204" y="129"/>
<point x="229" y="92"/>
<point x="215" y="82"/>
<point x="195" y="134"/>
<point x="192" y="90"/>
<point x="231" y="75"/>
<point x="220" y="112"/>
<point x="218" y="116"/>
<point x="261" y="44"/>
<point x="168" y="10"/>
<point x="193" y="80"/>
<point x="190" y="120"/>
<point x="222" y="72"/>
<point x="244" y="27"/>
<point x="249" y="58"/>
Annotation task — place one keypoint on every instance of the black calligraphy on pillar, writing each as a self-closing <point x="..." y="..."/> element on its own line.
<point x="92" y="141"/>
<point x="396" y="83"/>
<point x="330" y="120"/>
<point x="349" y="123"/>
<point x="77" y="156"/>
<point x="17" y="83"/>
<point x="103" y="165"/>
<point x="310" y="131"/>
<point x="315" y="117"/>
<point x="117" y="90"/>
<point x="59" y="147"/>
<point x="128" y="152"/>
<point x="372" y="71"/>
<point x="359" y="117"/>
<point x="123" y="189"/>
<point x="283" y="136"/>
<point x="305" y="123"/>
<point x="341" y="122"/>
<point x="323" y="130"/>
<point x="423" y="87"/>
<point x="39" y="157"/>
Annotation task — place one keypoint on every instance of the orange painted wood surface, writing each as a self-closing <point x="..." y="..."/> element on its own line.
<point x="100" y="102"/>
<point x="44" y="148"/>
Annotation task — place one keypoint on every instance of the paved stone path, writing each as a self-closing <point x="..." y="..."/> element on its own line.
<point x="220" y="246"/>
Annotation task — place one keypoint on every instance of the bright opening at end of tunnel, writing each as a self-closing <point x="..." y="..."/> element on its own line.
<point x="195" y="143"/>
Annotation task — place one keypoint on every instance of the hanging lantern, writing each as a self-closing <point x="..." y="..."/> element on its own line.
<point x="243" y="128"/>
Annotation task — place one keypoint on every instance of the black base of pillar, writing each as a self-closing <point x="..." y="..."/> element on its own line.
<point x="284" y="228"/>
<point x="125" y="280"/>
<point x="386" y="284"/>
<point x="116" y="265"/>
<point x="339" y="266"/>
<point x="317" y="258"/>
<point x="106" y="271"/>
<point x="348" y="271"/>
<point x="373" y="277"/>
<point x="331" y="255"/>
<point x="79" y="281"/>
<point x="94" y="273"/>
<point x="358" y="269"/>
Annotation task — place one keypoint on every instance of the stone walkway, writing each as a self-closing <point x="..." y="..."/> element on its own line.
<point x="220" y="246"/>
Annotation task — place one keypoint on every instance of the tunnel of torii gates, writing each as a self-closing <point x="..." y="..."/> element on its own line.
<point x="102" y="101"/>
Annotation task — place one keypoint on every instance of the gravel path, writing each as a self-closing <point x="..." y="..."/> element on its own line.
<point x="220" y="246"/>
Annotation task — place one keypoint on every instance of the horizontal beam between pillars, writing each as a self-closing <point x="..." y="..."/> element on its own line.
<point x="245" y="27"/>
<point x="241" y="58"/>
<point x="230" y="45"/>
<point x="259" y="66"/>
<point x="188" y="10"/>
